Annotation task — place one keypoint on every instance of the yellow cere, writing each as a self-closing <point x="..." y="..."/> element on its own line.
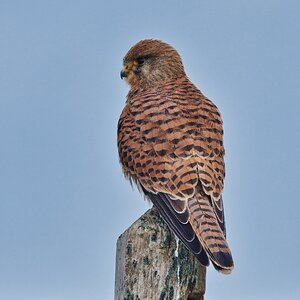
<point x="135" y="62"/>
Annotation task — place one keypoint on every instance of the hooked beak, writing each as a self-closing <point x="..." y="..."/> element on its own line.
<point x="123" y="74"/>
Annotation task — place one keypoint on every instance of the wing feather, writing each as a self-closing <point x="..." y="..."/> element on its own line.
<point x="184" y="231"/>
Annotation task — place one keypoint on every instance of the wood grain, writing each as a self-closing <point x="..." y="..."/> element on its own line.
<point x="151" y="263"/>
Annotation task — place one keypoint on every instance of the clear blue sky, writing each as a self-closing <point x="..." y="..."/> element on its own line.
<point x="63" y="199"/>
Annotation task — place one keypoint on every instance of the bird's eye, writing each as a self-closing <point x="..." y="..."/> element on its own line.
<point x="140" y="60"/>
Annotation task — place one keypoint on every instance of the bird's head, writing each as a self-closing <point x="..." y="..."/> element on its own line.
<point x="149" y="62"/>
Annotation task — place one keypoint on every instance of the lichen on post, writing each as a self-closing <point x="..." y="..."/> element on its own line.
<point x="151" y="263"/>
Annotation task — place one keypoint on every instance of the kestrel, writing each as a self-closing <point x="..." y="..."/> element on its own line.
<point x="170" y="142"/>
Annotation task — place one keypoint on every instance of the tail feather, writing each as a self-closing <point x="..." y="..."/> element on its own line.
<point x="209" y="232"/>
<point x="197" y="227"/>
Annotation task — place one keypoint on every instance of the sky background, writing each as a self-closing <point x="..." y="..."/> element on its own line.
<point x="63" y="198"/>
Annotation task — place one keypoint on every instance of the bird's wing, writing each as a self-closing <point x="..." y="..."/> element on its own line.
<point x="179" y="224"/>
<point x="170" y="142"/>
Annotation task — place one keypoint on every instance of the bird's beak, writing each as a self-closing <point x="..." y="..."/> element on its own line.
<point x="123" y="74"/>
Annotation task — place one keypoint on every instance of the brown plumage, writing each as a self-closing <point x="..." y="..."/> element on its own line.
<point x="170" y="142"/>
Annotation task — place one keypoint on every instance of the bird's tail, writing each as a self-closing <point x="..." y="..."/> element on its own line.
<point x="206" y="226"/>
<point x="197" y="228"/>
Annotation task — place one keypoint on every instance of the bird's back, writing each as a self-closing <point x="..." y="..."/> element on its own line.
<point x="170" y="141"/>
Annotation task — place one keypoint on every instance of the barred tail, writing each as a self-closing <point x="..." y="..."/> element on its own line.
<point x="206" y="226"/>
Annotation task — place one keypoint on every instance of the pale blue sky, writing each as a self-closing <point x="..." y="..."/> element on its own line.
<point x="63" y="199"/>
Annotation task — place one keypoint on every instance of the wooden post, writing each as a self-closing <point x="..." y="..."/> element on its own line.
<point x="151" y="264"/>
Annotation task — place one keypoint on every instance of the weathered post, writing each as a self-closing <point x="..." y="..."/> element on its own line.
<point x="152" y="264"/>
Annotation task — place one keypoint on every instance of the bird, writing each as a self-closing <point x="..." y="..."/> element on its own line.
<point x="170" y="144"/>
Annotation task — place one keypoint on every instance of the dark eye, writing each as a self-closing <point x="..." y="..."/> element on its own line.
<point x="140" y="60"/>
